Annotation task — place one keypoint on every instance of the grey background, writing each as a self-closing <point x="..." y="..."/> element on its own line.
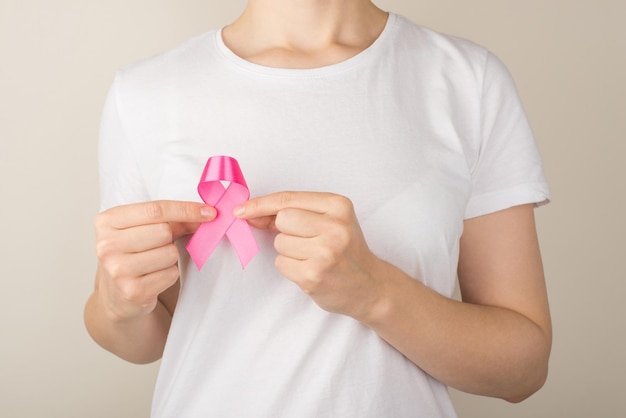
<point x="57" y="59"/>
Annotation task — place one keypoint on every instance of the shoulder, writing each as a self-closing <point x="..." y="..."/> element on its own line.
<point x="178" y="57"/>
<point x="167" y="69"/>
<point x="453" y="64"/>
<point x="149" y="88"/>
<point x="440" y="48"/>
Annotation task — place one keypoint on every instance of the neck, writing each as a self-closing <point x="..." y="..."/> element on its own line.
<point x="304" y="33"/>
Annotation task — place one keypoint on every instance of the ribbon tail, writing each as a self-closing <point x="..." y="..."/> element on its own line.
<point x="206" y="238"/>
<point x="243" y="241"/>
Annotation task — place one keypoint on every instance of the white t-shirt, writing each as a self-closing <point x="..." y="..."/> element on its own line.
<point x="420" y="131"/>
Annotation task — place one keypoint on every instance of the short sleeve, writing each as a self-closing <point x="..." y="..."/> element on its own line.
<point x="120" y="177"/>
<point x="508" y="170"/>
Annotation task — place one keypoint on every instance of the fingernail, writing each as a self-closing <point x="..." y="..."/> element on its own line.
<point x="207" y="212"/>
<point x="239" y="211"/>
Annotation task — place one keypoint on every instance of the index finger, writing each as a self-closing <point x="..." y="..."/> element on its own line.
<point x="271" y="204"/>
<point x="158" y="211"/>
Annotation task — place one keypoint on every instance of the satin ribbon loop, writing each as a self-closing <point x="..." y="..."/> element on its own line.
<point x="224" y="200"/>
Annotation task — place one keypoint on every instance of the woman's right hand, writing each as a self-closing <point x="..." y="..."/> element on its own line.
<point x="137" y="258"/>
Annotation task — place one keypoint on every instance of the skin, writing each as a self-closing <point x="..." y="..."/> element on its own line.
<point x="304" y="33"/>
<point x="496" y="342"/>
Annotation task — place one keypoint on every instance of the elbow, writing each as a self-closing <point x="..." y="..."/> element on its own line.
<point x="529" y="386"/>
<point x="532" y="370"/>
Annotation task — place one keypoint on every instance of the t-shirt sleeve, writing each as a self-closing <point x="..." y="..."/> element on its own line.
<point x="120" y="177"/>
<point x="508" y="170"/>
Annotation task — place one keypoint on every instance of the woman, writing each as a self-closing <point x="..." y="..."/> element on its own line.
<point x="383" y="159"/>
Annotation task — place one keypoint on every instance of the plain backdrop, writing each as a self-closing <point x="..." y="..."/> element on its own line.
<point x="57" y="59"/>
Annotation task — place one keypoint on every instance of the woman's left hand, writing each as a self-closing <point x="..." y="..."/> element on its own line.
<point x="320" y="247"/>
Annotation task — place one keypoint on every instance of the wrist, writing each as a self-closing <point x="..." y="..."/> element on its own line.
<point x="115" y="313"/>
<point x="378" y="308"/>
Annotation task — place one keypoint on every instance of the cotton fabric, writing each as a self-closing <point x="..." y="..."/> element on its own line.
<point x="421" y="131"/>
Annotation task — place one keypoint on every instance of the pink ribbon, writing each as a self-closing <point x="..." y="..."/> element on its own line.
<point x="224" y="200"/>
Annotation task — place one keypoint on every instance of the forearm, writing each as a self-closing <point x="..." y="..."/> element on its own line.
<point x="478" y="349"/>
<point x="139" y="340"/>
